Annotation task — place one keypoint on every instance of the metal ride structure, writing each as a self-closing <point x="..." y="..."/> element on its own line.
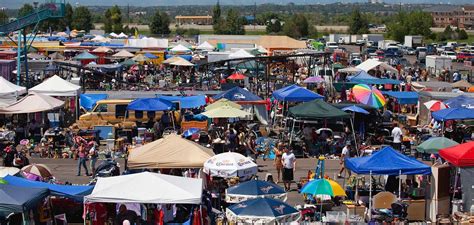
<point x="50" y="9"/>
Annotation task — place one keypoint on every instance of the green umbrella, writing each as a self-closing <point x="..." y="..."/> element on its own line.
<point x="434" y="144"/>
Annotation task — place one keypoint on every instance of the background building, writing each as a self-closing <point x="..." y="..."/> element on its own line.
<point x="457" y="16"/>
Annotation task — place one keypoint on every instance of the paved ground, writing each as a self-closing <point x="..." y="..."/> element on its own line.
<point x="66" y="169"/>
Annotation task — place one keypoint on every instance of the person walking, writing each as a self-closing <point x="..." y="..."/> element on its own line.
<point x="288" y="160"/>
<point x="82" y="154"/>
<point x="346" y="153"/>
<point x="397" y="137"/>
<point x="93" y="156"/>
<point x="278" y="162"/>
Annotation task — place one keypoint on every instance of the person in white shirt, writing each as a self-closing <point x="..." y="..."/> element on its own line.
<point x="288" y="160"/>
<point x="397" y="137"/>
<point x="346" y="153"/>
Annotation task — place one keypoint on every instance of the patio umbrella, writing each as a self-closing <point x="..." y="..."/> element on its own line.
<point x="323" y="187"/>
<point x="40" y="170"/>
<point x="190" y="132"/>
<point x="226" y="111"/>
<point x="230" y="164"/>
<point x="435" y="105"/>
<point x="314" y="80"/>
<point x="434" y="144"/>
<point x="236" y="76"/>
<point x="355" y="109"/>
<point x="368" y="95"/>
<point x="140" y="58"/>
<point x="262" y="211"/>
<point x="254" y="189"/>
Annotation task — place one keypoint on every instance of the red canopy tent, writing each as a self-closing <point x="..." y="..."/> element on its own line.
<point x="460" y="155"/>
<point x="236" y="76"/>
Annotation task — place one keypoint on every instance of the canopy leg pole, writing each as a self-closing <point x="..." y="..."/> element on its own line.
<point x="455" y="183"/>
<point x="354" y="134"/>
<point x="370" y="195"/>
<point x="172" y="120"/>
<point x="292" y="130"/>
<point x="400" y="185"/>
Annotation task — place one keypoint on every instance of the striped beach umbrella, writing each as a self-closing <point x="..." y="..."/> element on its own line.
<point x="368" y="95"/>
<point x="38" y="169"/>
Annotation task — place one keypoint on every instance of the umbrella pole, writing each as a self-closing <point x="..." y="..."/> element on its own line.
<point x="400" y="185"/>
<point x="353" y="133"/>
<point x="370" y="195"/>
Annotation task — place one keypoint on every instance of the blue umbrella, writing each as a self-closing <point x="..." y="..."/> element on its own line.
<point x="262" y="210"/>
<point x="355" y="109"/>
<point x="189" y="132"/>
<point x="254" y="189"/>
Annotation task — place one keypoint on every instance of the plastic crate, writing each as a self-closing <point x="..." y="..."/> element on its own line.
<point x="335" y="216"/>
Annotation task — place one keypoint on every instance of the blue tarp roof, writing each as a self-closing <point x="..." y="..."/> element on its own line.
<point x="285" y="88"/>
<point x="237" y="94"/>
<point x="461" y="101"/>
<point x="387" y="161"/>
<point x="365" y="78"/>
<point x="150" y="56"/>
<point x="453" y="114"/>
<point x="186" y="102"/>
<point x="403" y="97"/>
<point x="76" y="192"/>
<point x="88" y="101"/>
<point x="296" y="93"/>
<point x="15" y="199"/>
<point x="150" y="104"/>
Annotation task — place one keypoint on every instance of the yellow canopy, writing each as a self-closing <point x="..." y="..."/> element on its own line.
<point x="172" y="151"/>
<point x="461" y="84"/>
<point x="222" y="102"/>
<point x="226" y="111"/>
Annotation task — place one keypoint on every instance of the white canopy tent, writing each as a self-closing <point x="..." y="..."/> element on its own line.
<point x="33" y="102"/>
<point x="122" y="35"/>
<point x="180" y="48"/>
<point x="147" y="43"/>
<point x="9" y="92"/>
<point x="123" y="54"/>
<point x="205" y="46"/>
<point x="56" y="86"/>
<point x="370" y="64"/>
<point x="114" y="35"/>
<point x="146" y="187"/>
<point x="99" y="38"/>
<point x="241" y="53"/>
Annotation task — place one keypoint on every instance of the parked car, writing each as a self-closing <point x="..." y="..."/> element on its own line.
<point x="409" y="51"/>
<point x="449" y="54"/>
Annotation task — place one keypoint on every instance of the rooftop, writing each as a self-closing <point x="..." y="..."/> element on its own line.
<point x="443" y="8"/>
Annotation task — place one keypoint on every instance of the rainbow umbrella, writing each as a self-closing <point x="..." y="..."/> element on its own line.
<point x="323" y="187"/>
<point x="368" y="95"/>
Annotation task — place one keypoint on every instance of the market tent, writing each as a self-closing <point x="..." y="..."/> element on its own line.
<point x="9" y="91"/>
<point x="296" y="94"/>
<point x="88" y="101"/>
<point x="460" y="155"/>
<point x="5" y="171"/>
<point x="128" y="62"/>
<point x="147" y="188"/>
<point x="123" y="54"/>
<point x="150" y="104"/>
<point x="453" y="114"/>
<point x="221" y="102"/>
<point x="56" y="56"/>
<point x="205" y="46"/>
<point x="171" y="60"/>
<point x="56" y="86"/>
<point x="460" y="101"/>
<point x="71" y="191"/>
<point x="403" y="97"/>
<point x="434" y="144"/>
<point x="34" y="102"/>
<point x="317" y="109"/>
<point x="241" y="53"/>
<point x="15" y="199"/>
<point x="365" y="78"/>
<point x="186" y="102"/>
<point x="140" y="58"/>
<point x="181" y="62"/>
<point x="102" y="49"/>
<point x="237" y="94"/>
<point x="85" y="56"/>
<point x="171" y="151"/>
<point x="370" y="64"/>
<point x="226" y="111"/>
<point x="99" y="38"/>
<point x="387" y="161"/>
<point x="349" y="70"/>
<point x="293" y="86"/>
<point x="122" y="35"/>
<point x="150" y="56"/>
<point x="461" y="84"/>
<point x="180" y="48"/>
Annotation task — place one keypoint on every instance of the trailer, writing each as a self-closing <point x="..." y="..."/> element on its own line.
<point x="354" y="38"/>
<point x="436" y="64"/>
<point x="384" y="44"/>
<point x="373" y="38"/>
<point x="413" y="41"/>
<point x="339" y="38"/>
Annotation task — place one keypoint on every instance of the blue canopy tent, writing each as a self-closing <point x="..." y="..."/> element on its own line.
<point x="76" y="192"/>
<point x="403" y="97"/>
<point x="15" y="199"/>
<point x="461" y="101"/>
<point x="88" y="101"/>
<point x="355" y="109"/>
<point x="237" y="94"/>
<point x="286" y="88"/>
<point x="254" y="189"/>
<point x="150" y="56"/>
<point x="150" y="104"/>
<point x="186" y="102"/>
<point x="365" y="78"/>
<point x="296" y="94"/>
<point x="453" y="114"/>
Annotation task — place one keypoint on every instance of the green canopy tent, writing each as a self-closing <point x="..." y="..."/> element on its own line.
<point x="129" y="62"/>
<point x="85" y="56"/>
<point x="434" y="144"/>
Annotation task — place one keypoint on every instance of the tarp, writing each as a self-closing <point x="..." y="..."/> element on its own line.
<point x="186" y="102"/>
<point x="453" y="114"/>
<point x="403" y="97"/>
<point x="387" y="161"/>
<point x="460" y="155"/>
<point x="461" y="101"/>
<point x="150" y="104"/>
<point x="296" y="94"/>
<point x="373" y="63"/>
<point x="34" y="102"/>
<point x="71" y="191"/>
<point x="56" y="86"/>
<point x="317" y="109"/>
<point x="147" y="188"/>
<point x="88" y="101"/>
<point x="15" y="199"/>
<point x="172" y="151"/>
<point x="237" y="94"/>
<point x="365" y="78"/>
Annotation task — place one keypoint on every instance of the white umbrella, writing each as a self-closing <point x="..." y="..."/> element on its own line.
<point x="230" y="164"/>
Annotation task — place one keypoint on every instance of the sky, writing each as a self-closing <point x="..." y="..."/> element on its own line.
<point x="18" y="3"/>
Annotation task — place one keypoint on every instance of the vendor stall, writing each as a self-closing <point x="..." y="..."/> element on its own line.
<point x="295" y="93"/>
<point x="15" y="199"/>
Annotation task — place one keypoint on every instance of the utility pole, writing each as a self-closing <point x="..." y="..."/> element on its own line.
<point x="255" y="15"/>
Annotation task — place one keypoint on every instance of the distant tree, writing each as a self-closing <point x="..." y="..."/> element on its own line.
<point x="59" y="24"/>
<point x="216" y="13"/>
<point x="412" y="23"/>
<point x="448" y="32"/>
<point x="296" y="26"/>
<point x="3" y="18"/>
<point x="82" y="19"/>
<point x="160" y="23"/>
<point x="25" y="10"/>
<point x="193" y="32"/>
<point x="358" y="23"/>
<point x="180" y="31"/>
<point x="462" y="35"/>
<point x="234" y="22"/>
<point x="113" y="20"/>
<point x="273" y="23"/>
